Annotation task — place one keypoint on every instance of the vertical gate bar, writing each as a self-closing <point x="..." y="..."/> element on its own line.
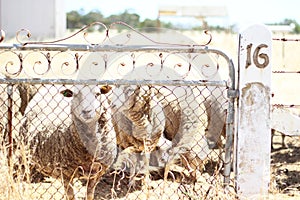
<point x="228" y="144"/>
<point x="232" y="94"/>
<point x="9" y="120"/>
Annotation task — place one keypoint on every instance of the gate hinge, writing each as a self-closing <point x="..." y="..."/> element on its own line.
<point x="233" y="93"/>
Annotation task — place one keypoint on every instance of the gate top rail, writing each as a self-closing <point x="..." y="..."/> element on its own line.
<point x="38" y="59"/>
<point x="114" y="48"/>
<point x="116" y="82"/>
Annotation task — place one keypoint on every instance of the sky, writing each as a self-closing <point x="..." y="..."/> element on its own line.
<point x="240" y="12"/>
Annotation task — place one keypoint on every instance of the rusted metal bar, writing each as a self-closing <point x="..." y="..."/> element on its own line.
<point x="115" y="48"/>
<point x="117" y="82"/>
<point x="286" y="40"/>
<point x="285" y="72"/>
<point x="107" y="37"/>
<point x="9" y="120"/>
<point x="286" y="106"/>
<point x="232" y="94"/>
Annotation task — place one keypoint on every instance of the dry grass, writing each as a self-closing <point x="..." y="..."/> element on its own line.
<point x="19" y="183"/>
<point x="10" y="187"/>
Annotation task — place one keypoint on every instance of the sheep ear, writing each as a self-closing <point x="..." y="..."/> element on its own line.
<point x="105" y="89"/>
<point x="67" y="93"/>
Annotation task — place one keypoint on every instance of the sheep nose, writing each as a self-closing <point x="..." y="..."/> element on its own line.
<point x="86" y="112"/>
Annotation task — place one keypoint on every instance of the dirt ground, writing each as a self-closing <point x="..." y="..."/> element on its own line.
<point x="285" y="179"/>
<point x="285" y="166"/>
<point x="118" y="185"/>
<point x="285" y="182"/>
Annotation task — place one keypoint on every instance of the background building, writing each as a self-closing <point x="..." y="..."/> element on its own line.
<point x="43" y="18"/>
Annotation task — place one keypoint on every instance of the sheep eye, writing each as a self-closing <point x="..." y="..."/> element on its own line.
<point x="129" y="90"/>
<point x="105" y="89"/>
<point x="97" y="94"/>
<point x="67" y="93"/>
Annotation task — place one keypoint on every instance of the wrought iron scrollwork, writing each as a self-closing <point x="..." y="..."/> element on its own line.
<point x="130" y="54"/>
<point x="105" y="38"/>
<point x="2" y="35"/>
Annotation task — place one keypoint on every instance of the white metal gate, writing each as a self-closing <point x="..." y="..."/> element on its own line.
<point x="152" y="115"/>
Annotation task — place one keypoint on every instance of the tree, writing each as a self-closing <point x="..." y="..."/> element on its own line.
<point x="74" y="20"/>
<point x="293" y="23"/>
<point x="150" y="25"/>
<point x="290" y="22"/>
<point x="91" y="17"/>
<point x="132" y="20"/>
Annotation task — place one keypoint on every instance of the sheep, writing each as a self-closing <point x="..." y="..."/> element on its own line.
<point x="20" y="95"/>
<point x="286" y="127"/>
<point x="194" y="119"/>
<point x="175" y="130"/>
<point x="69" y="134"/>
<point x="194" y="115"/>
<point x="138" y="119"/>
<point x="185" y="127"/>
<point x="186" y="118"/>
<point x="137" y="105"/>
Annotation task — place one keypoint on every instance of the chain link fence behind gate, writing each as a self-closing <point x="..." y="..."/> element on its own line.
<point x="152" y="123"/>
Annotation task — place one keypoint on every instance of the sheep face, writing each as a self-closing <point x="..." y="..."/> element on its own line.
<point x="130" y="97"/>
<point x="86" y="101"/>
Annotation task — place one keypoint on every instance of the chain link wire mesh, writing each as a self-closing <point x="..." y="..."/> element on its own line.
<point x="132" y="123"/>
<point x="45" y="149"/>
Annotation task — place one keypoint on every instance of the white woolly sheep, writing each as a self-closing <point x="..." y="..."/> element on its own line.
<point x="194" y="116"/>
<point x="193" y="119"/>
<point x="139" y="121"/>
<point x="171" y="119"/>
<point x="186" y="121"/>
<point x="69" y="134"/>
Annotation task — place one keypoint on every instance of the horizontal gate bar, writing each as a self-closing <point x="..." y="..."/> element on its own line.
<point x="116" y="82"/>
<point x="115" y="48"/>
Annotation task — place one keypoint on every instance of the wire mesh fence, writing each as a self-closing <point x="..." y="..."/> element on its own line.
<point x="285" y="144"/>
<point x="285" y="74"/>
<point x="161" y="138"/>
<point x="111" y="122"/>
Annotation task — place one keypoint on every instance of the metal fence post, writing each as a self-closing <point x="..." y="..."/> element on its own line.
<point x="9" y="120"/>
<point x="253" y="140"/>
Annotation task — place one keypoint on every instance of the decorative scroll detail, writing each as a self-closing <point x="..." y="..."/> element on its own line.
<point x="2" y="36"/>
<point x="11" y="63"/>
<point x="106" y="38"/>
<point x="180" y="65"/>
<point x="37" y="63"/>
<point x="65" y="64"/>
<point x="21" y="33"/>
<point x="141" y="65"/>
<point x="115" y="57"/>
<point x="210" y="69"/>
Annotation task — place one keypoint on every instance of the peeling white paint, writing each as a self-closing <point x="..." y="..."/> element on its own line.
<point x="253" y="141"/>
